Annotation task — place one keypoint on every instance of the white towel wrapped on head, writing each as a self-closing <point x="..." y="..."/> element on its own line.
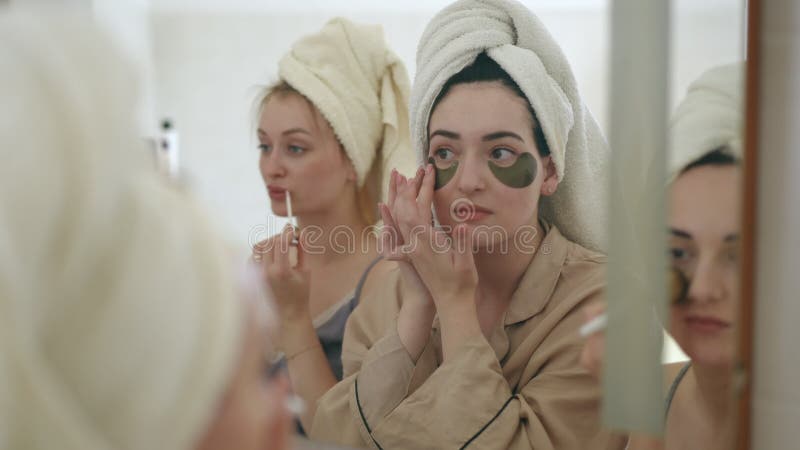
<point x="119" y="321"/>
<point x="515" y="38"/>
<point x="710" y="117"/>
<point x="361" y="88"/>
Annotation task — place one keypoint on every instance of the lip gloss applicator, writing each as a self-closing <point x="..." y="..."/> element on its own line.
<point x="292" y="218"/>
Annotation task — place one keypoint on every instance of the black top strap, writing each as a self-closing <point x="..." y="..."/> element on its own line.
<point x="674" y="387"/>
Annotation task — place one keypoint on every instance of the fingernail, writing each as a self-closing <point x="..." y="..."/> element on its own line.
<point x="429" y="168"/>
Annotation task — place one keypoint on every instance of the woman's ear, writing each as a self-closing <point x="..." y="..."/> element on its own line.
<point x="550" y="181"/>
<point x="352" y="176"/>
<point x="350" y="170"/>
<point x="351" y="173"/>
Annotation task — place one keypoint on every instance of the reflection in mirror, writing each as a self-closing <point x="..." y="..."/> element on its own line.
<point x="204" y="65"/>
<point x="704" y="223"/>
<point x="704" y="226"/>
<point x="702" y="214"/>
<point x="208" y="60"/>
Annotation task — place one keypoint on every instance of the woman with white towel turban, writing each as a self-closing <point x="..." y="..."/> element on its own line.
<point x="473" y="341"/>
<point x="121" y="323"/>
<point x="329" y="132"/>
<point x="704" y="227"/>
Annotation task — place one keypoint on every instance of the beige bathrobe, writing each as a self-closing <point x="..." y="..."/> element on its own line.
<point x="520" y="388"/>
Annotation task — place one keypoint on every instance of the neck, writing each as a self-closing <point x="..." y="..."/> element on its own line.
<point x="715" y="393"/>
<point x="499" y="272"/>
<point x="337" y="233"/>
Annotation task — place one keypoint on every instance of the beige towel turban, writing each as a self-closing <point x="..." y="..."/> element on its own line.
<point x="515" y="38"/>
<point x="708" y="118"/>
<point x="118" y="318"/>
<point x="361" y="88"/>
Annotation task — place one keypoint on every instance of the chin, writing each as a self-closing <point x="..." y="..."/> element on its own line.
<point x="707" y="354"/>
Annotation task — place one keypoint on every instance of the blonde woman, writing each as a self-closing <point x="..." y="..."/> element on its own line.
<point x="329" y="131"/>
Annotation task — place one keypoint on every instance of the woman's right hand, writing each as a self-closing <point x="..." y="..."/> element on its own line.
<point x="417" y="311"/>
<point x="392" y="241"/>
<point x="594" y="347"/>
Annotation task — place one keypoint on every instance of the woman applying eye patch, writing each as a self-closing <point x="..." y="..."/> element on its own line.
<point x="472" y="341"/>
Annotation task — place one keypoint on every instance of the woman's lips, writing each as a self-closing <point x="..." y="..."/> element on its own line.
<point x="706" y="324"/>
<point x="276" y="193"/>
<point x="473" y="213"/>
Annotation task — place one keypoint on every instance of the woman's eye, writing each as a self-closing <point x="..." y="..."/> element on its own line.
<point x="443" y="154"/>
<point x="678" y="253"/>
<point x="264" y="148"/>
<point x="502" y="154"/>
<point x="732" y="256"/>
<point x="294" y="149"/>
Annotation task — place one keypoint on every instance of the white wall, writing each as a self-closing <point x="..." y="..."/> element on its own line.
<point x="128" y="22"/>
<point x="703" y="34"/>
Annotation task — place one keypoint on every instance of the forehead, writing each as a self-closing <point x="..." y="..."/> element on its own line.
<point x="705" y="202"/>
<point x="283" y="111"/>
<point x="475" y="109"/>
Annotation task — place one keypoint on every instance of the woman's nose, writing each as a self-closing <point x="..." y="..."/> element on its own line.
<point x="473" y="170"/>
<point x="272" y="165"/>
<point x="708" y="283"/>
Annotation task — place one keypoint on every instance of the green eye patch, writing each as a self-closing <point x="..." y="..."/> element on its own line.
<point x="443" y="176"/>
<point x="518" y="175"/>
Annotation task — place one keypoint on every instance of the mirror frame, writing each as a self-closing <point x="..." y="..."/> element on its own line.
<point x="749" y="216"/>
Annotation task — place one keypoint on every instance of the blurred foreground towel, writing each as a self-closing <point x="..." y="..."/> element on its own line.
<point x="119" y="324"/>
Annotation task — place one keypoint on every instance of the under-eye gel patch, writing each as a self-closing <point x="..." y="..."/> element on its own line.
<point x="518" y="175"/>
<point x="443" y="176"/>
<point x="679" y="287"/>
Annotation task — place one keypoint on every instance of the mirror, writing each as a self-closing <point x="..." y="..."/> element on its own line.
<point x="204" y="65"/>
<point x="208" y="62"/>
<point x="703" y="47"/>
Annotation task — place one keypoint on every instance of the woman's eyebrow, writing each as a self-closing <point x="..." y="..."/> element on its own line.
<point x="445" y="133"/>
<point x="296" y="130"/>
<point x="680" y="233"/>
<point x="501" y="134"/>
<point x="733" y="237"/>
